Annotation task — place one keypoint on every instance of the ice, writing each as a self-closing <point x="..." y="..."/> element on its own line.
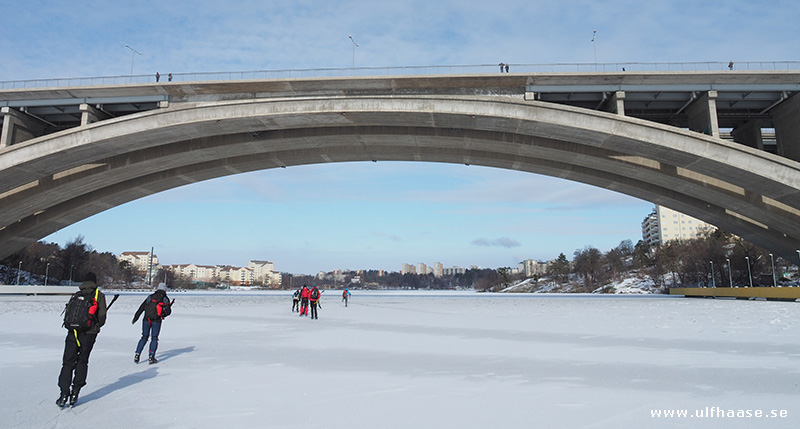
<point x="411" y="360"/>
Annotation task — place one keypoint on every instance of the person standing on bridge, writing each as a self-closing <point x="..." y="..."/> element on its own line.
<point x="506" y="67"/>
<point x="169" y="77"/>
<point x="501" y="67"/>
<point x="158" y="76"/>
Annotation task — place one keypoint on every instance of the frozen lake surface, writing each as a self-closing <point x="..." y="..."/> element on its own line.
<point x="414" y="360"/>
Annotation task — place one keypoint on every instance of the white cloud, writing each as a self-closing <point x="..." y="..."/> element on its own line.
<point x="497" y="242"/>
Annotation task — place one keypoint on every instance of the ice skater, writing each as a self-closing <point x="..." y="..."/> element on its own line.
<point x="304" y="295"/>
<point x="155" y="308"/>
<point x="91" y="304"/>
<point x="314" y="298"/>
<point x="296" y="301"/>
<point x="345" y="296"/>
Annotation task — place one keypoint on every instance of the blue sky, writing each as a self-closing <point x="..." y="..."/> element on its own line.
<point x="374" y="215"/>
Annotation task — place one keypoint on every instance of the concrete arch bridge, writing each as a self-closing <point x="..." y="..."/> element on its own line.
<point x="721" y="147"/>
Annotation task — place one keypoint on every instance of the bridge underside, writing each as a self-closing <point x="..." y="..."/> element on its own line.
<point x="53" y="181"/>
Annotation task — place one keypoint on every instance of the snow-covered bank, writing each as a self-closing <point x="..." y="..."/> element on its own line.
<point x="413" y="360"/>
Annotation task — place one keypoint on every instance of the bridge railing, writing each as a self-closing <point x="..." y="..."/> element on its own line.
<point x="400" y="70"/>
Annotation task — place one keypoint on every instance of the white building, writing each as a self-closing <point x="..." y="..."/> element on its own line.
<point x="438" y="269"/>
<point x="664" y="225"/>
<point x="264" y="272"/>
<point x="139" y="261"/>
<point x="201" y="273"/>
<point x="454" y="270"/>
<point x="531" y="267"/>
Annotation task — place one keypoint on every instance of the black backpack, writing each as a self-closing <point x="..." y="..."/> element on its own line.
<point x="315" y="294"/>
<point x="156" y="309"/>
<point x="81" y="310"/>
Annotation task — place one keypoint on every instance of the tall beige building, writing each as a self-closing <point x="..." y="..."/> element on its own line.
<point x="140" y="261"/>
<point x="664" y="225"/>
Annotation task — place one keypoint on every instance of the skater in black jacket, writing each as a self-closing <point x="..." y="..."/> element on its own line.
<point x="79" y="342"/>
<point x="155" y="308"/>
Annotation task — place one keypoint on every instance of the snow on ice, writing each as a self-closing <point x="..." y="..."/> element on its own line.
<point x="414" y="360"/>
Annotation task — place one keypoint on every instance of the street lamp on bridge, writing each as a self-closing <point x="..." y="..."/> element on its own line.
<point x="594" y="36"/>
<point x="355" y="45"/>
<point x="133" y="56"/>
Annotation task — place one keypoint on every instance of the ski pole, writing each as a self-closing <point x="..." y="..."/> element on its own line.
<point x="112" y="301"/>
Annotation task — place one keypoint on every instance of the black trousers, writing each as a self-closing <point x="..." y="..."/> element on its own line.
<point x="314" y="310"/>
<point x="75" y="361"/>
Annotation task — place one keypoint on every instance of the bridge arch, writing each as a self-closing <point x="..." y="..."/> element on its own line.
<point x="59" y="179"/>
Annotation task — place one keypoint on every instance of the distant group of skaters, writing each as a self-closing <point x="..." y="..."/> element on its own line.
<point x="304" y="298"/>
<point x="82" y="336"/>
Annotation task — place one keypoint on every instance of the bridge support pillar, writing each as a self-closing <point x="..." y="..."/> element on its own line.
<point x="91" y="114"/>
<point x="703" y="114"/>
<point x="617" y="103"/>
<point x="749" y="134"/>
<point x="18" y="127"/>
<point x="786" y="117"/>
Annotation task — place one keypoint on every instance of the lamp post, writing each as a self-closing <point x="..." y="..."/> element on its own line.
<point x="774" y="280"/>
<point x="70" y="274"/>
<point x="46" y="272"/>
<point x="712" y="274"/>
<point x="730" y="273"/>
<point x="133" y="55"/>
<point x="355" y="45"/>
<point x="19" y="269"/>
<point x="749" y="273"/>
<point x="594" y="45"/>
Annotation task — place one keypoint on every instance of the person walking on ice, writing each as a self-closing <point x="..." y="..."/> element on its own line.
<point x="314" y="297"/>
<point x="304" y="295"/>
<point x="155" y="307"/>
<point x="345" y="296"/>
<point x="84" y="315"/>
<point x="296" y="301"/>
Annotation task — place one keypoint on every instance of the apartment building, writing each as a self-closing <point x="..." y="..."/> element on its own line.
<point x="532" y="267"/>
<point x="665" y="224"/>
<point x="140" y="262"/>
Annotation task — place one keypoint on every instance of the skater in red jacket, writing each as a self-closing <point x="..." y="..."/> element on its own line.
<point x="305" y="294"/>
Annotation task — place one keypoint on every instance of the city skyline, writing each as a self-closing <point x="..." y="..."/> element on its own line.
<point x="374" y="215"/>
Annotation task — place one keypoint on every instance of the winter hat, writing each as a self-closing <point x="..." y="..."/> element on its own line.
<point x="162" y="286"/>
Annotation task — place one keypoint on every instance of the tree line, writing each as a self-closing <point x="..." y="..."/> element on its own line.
<point x="716" y="258"/>
<point x="60" y="265"/>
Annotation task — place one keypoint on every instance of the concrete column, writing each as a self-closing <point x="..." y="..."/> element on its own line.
<point x="786" y="117"/>
<point x="18" y="127"/>
<point x="617" y="103"/>
<point x="749" y="134"/>
<point x="703" y="114"/>
<point x="91" y="114"/>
